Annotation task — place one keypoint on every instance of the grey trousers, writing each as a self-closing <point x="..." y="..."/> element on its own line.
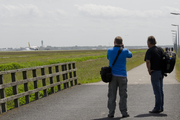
<point x="116" y="82"/>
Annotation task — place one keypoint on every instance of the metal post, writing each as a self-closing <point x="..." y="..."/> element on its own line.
<point x="175" y="40"/>
<point x="178" y="37"/>
<point x="178" y="47"/>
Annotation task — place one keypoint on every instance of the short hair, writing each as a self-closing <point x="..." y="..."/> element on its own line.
<point x="152" y="40"/>
<point x="118" y="40"/>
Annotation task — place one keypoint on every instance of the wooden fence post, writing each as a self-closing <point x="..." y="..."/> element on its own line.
<point x="64" y="76"/>
<point x="15" y="89"/>
<point x="58" y="77"/>
<point x="68" y="79"/>
<point x="26" y="86"/>
<point x="44" y="82"/>
<point x="35" y="84"/>
<point x="51" y="79"/>
<point x="75" y="81"/>
<point x="3" y="107"/>
<point x="70" y="74"/>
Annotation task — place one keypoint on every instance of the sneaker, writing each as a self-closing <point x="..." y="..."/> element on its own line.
<point x="110" y="116"/>
<point x="155" y="111"/>
<point x="124" y="116"/>
<point x="161" y="110"/>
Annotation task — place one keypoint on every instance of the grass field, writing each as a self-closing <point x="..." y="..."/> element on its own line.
<point x="178" y="66"/>
<point x="85" y="60"/>
<point x="88" y="63"/>
<point x="178" y="69"/>
<point x="178" y="52"/>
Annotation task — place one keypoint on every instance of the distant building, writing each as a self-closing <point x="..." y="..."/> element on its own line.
<point x="42" y="43"/>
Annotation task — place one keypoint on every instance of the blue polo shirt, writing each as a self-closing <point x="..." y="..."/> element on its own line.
<point x="119" y="68"/>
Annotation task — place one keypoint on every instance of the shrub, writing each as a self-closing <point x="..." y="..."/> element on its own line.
<point x="10" y="66"/>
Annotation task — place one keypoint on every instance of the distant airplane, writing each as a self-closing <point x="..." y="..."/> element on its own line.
<point x="32" y="47"/>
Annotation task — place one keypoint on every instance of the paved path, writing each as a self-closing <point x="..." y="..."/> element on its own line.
<point x="88" y="102"/>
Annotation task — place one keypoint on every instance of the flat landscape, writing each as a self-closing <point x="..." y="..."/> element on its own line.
<point x="88" y="63"/>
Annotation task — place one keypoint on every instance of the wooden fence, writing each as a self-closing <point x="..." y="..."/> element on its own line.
<point x="67" y="73"/>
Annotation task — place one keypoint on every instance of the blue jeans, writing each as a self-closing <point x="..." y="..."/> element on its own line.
<point x="157" y="84"/>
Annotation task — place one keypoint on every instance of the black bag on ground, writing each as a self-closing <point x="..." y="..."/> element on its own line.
<point x="168" y="61"/>
<point x="105" y="72"/>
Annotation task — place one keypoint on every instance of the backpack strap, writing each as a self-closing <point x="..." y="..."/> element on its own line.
<point x="161" y="49"/>
<point x="119" y="52"/>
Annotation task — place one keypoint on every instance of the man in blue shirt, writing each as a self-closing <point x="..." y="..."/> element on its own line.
<point x="119" y="78"/>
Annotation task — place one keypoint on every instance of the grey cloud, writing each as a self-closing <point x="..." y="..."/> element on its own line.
<point x="28" y="10"/>
<point x="56" y="14"/>
<point x="19" y="10"/>
<point x="118" y="12"/>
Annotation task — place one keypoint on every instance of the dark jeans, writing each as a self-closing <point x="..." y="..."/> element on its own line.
<point x="157" y="84"/>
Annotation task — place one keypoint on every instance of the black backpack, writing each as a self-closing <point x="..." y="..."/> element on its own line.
<point x="168" y="62"/>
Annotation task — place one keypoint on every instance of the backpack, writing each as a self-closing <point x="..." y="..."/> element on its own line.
<point x="168" y="62"/>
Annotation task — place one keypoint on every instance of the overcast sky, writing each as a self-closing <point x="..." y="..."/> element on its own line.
<point x="86" y="22"/>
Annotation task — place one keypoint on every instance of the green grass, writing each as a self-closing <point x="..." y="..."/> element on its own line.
<point x="11" y="66"/>
<point x="178" y="68"/>
<point x="88" y="63"/>
<point x="89" y="71"/>
<point x="178" y="52"/>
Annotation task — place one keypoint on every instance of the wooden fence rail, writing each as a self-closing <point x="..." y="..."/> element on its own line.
<point x="67" y="73"/>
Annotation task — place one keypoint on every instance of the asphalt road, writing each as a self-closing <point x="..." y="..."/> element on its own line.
<point x="89" y="102"/>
